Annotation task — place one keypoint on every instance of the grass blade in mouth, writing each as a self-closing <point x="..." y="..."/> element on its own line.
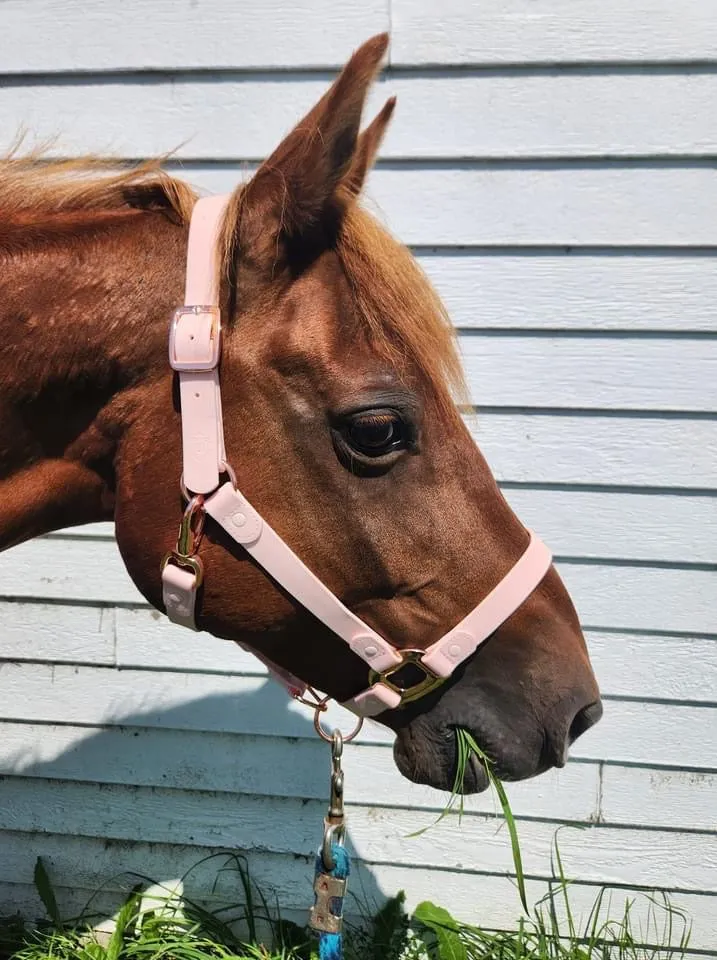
<point x="466" y="747"/>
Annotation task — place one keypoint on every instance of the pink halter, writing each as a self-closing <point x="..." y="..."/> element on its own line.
<point x="194" y="351"/>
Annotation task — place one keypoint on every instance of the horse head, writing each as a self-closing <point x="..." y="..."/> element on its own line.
<point x="340" y="385"/>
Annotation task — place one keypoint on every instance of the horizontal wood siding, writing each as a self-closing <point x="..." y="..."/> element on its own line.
<point x="442" y="115"/>
<point x="229" y="35"/>
<point x="552" y="165"/>
<point x="182" y="34"/>
<point x="518" y="32"/>
<point x="590" y="204"/>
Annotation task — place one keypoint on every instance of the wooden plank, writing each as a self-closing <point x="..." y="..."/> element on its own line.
<point x="551" y="114"/>
<point x="37" y="631"/>
<point x="141" y="698"/>
<point x="457" y="116"/>
<point x="558" y="31"/>
<point x="598" y="524"/>
<point x="602" y="372"/>
<point x="146" y="641"/>
<point x="75" y="577"/>
<point x="171" y="34"/>
<point x="587" y="449"/>
<point x="661" y="667"/>
<point x="376" y="835"/>
<point x="607" y="372"/>
<point x="600" y="204"/>
<point x="550" y="291"/>
<point x="589" y="205"/>
<point x="606" y="595"/>
<point x="630" y="732"/>
<point x="239" y="765"/>
<point x="624" y="597"/>
<point x="677" y="799"/>
<point x="146" y="638"/>
<point x="229" y="35"/>
<point x="650" y="734"/>
<point x="621" y="526"/>
<point x="487" y="899"/>
<point x="654" y="667"/>
<point x="535" y="447"/>
<point x="595" y="204"/>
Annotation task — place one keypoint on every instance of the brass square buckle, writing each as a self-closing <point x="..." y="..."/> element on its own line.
<point x="413" y="691"/>
<point x="206" y="326"/>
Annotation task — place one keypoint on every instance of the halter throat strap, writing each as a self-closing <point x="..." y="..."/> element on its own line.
<point x="194" y="353"/>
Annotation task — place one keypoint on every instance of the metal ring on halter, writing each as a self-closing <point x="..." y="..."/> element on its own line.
<point x="316" y="702"/>
<point x="329" y="737"/>
<point x="224" y="467"/>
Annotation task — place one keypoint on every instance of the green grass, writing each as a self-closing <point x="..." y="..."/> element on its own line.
<point x="466" y="747"/>
<point x="157" y="929"/>
<point x="170" y="929"/>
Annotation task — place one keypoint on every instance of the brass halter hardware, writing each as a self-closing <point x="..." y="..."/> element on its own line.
<point x="415" y="691"/>
<point x="190" y="535"/>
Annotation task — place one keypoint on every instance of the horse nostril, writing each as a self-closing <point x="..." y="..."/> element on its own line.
<point x="584" y="719"/>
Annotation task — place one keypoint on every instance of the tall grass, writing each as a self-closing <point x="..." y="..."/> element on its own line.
<point x="172" y="928"/>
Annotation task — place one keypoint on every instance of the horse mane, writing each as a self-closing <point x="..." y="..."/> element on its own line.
<point x="35" y="186"/>
<point x="404" y="316"/>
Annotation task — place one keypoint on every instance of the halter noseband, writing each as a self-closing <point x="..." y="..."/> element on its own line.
<point x="194" y="352"/>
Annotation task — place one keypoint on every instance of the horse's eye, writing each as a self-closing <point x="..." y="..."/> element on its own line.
<point x="375" y="433"/>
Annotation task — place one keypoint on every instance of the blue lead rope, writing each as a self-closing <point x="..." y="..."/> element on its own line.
<point x="328" y="910"/>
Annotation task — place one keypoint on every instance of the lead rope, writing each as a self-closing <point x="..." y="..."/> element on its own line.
<point x="332" y="860"/>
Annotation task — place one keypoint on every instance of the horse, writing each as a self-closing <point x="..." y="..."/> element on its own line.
<point x="341" y="391"/>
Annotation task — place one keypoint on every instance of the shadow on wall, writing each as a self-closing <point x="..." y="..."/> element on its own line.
<point x="157" y="793"/>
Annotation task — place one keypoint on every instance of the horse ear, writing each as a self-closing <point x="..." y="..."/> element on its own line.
<point x="294" y="194"/>
<point x="366" y="149"/>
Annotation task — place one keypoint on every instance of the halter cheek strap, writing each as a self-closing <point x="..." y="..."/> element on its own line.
<point x="194" y="352"/>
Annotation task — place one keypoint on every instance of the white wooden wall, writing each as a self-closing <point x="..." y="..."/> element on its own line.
<point x="552" y="163"/>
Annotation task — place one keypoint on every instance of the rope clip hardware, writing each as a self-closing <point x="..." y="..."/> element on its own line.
<point x="334" y="825"/>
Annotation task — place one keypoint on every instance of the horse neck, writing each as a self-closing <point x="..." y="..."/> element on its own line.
<point x="83" y="321"/>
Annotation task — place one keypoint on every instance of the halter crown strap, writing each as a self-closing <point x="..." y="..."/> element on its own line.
<point x="194" y="351"/>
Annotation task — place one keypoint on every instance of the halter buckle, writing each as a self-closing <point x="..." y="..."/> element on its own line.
<point x="414" y="691"/>
<point x="205" y="337"/>
<point x="193" y="564"/>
